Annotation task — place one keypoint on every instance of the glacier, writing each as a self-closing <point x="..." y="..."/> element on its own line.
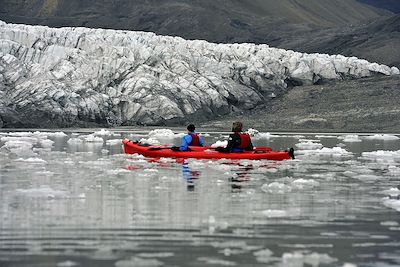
<point x="63" y="77"/>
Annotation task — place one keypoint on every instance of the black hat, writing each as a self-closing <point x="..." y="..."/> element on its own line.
<point x="191" y="127"/>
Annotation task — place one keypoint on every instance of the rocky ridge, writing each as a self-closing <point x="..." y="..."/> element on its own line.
<point x="80" y="76"/>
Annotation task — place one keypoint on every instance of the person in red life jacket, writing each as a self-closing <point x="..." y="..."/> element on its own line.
<point x="191" y="139"/>
<point x="238" y="141"/>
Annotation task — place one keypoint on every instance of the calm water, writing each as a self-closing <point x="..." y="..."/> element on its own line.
<point x="73" y="200"/>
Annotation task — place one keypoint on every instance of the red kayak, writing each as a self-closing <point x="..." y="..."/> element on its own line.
<point x="131" y="147"/>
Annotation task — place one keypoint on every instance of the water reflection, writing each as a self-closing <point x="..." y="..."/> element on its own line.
<point x="189" y="175"/>
<point x="87" y="204"/>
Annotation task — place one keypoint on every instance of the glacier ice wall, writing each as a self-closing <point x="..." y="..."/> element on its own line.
<point x="80" y="77"/>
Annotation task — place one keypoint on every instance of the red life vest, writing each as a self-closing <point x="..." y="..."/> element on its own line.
<point x="195" y="140"/>
<point x="245" y="140"/>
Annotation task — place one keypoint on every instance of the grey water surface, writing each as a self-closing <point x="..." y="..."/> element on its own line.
<point x="66" y="202"/>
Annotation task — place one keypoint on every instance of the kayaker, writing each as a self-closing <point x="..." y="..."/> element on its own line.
<point x="238" y="141"/>
<point x="191" y="139"/>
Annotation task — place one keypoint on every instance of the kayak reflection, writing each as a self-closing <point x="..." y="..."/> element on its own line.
<point x="189" y="175"/>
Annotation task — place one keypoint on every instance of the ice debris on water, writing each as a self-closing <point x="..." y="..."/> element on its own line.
<point x="274" y="213"/>
<point x="263" y="256"/>
<point x="113" y="142"/>
<point x="19" y="148"/>
<point x="392" y="203"/>
<point x="331" y="152"/>
<point x="102" y="132"/>
<point x="309" y="145"/>
<point x="90" y="138"/>
<point x="43" y="191"/>
<point x="74" y="141"/>
<point x="392" y="192"/>
<point x="353" y="138"/>
<point x="150" y="141"/>
<point x="259" y="135"/>
<point x="67" y="264"/>
<point x="276" y="188"/>
<point x="303" y="183"/>
<point x="220" y="144"/>
<point x="382" y="156"/>
<point x="137" y="261"/>
<point x="384" y="137"/>
<point x="216" y="261"/>
<point x="157" y="133"/>
<point x="297" y="259"/>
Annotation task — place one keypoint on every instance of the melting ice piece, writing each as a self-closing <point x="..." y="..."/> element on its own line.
<point x="308" y="145"/>
<point x="149" y="141"/>
<point x="220" y="144"/>
<point x="276" y="188"/>
<point x="102" y="132"/>
<point x="161" y="133"/>
<point x="351" y="138"/>
<point x="385" y="137"/>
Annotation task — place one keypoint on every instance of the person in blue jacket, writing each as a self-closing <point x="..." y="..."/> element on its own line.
<point x="191" y="139"/>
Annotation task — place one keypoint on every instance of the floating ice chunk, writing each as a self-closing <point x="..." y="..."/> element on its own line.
<point x="392" y="203"/>
<point x="382" y="156"/>
<point x="43" y="191"/>
<point x="16" y="139"/>
<point x="252" y="132"/>
<point x="19" y="148"/>
<point x="149" y="141"/>
<point x="393" y="170"/>
<point x="276" y="188"/>
<point x="156" y="255"/>
<point x="220" y="144"/>
<point x="266" y="135"/>
<point x="302" y="183"/>
<point x="74" y="141"/>
<point x="347" y="264"/>
<point x="67" y="264"/>
<point x="392" y="192"/>
<point x="50" y="134"/>
<point x="90" y="138"/>
<point x="161" y="133"/>
<point x="31" y="160"/>
<point x="113" y="142"/>
<point x="274" y="213"/>
<point x="136" y="261"/>
<point x="102" y="132"/>
<point x="298" y="259"/>
<point x="46" y="143"/>
<point x="334" y="152"/>
<point x="385" y="137"/>
<point x="326" y="136"/>
<point x="216" y="261"/>
<point x="351" y="138"/>
<point x="367" y="177"/>
<point x="390" y="223"/>
<point x="309" y="145"/>
<point x="263" y="256"/>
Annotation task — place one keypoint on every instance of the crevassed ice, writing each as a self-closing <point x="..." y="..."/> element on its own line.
<point x="123" y="77"/>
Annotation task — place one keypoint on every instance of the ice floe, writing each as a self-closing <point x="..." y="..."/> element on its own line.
<point x="276" y="188"/>
<point x="327" y="152"/>
<point x="384" y="137"/>
<point x="351" y="138"/>
<point x="220" y="144"/>
<point x="382" y="156"/>
<point x="298" y="259"/>
<point x="43" y="191"/>
<point x="309" y="145"/>
<point x="274" y="213"/>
